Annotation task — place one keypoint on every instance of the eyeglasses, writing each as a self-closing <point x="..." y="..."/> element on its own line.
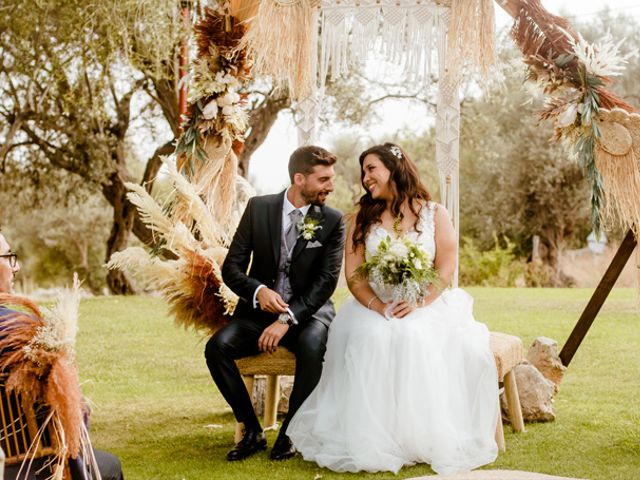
<point x="13" y="258"/>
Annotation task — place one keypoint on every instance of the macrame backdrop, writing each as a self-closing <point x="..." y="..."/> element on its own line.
<point x="428" y="40"/>
<point x="413" y="36"/>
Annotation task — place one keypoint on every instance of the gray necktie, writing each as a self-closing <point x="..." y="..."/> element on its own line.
<point x="291" y="234"/>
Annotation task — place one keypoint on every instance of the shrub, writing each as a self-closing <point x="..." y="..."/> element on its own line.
<point x="497" y="267"/>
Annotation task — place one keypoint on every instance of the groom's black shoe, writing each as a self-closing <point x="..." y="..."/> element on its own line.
<point x="283" y="448"/>
<point x="252" y="442"/>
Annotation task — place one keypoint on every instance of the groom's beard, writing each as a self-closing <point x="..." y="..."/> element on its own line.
<point x="315" y="198"/>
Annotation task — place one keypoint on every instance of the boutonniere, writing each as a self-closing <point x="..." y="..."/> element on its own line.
<point x="307" y="228"/>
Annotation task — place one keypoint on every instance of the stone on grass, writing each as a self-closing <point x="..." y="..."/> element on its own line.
<point x="543" y="354"/>
<point x="536" y="394"/>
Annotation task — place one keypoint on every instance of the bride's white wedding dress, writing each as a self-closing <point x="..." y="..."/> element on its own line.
<point x="421" y="389"/>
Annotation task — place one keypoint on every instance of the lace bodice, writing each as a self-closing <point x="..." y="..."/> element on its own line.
<point x="426" y="237"/>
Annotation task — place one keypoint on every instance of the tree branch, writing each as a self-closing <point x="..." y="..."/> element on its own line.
<point x="7" y="146"/>
<point x="261" y="121"/>
<point x="154" y="164"/>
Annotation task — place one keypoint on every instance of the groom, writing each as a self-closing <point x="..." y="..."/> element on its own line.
<point x="294" y="244"/>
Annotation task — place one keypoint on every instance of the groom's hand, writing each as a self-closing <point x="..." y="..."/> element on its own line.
<point x="271" y="336"/>
<point x="271" y="301"/>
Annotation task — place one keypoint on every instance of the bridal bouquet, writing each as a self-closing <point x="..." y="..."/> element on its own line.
<point x="401" y="269"/>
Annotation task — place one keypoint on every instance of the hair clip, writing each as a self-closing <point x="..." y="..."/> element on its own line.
<point x="395" y="150"/>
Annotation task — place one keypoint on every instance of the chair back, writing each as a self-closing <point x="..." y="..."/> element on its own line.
<point x="19" y="426"/>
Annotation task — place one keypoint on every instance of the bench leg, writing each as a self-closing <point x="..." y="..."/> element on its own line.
<point x="272" y="396"/>
<point x="248" y="382"/>
<point x="502" y="446"/>
<point x="513" y="400"/>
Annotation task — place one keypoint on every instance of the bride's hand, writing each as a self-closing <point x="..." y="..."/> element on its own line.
<point x="402" y="309"/>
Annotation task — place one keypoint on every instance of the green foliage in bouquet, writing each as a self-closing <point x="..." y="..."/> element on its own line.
<point x="401" y="266"/>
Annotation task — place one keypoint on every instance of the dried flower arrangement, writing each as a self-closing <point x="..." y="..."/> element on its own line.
<point x="38" y="359"/>
<point x="597" y="126"/>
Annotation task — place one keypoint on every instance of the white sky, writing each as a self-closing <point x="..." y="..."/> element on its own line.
<point x="268" y="168"/>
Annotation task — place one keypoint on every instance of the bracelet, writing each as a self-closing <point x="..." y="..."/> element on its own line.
<point x="371" y="301"/>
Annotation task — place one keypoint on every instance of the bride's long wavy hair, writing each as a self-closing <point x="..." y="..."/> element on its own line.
<point x="404" y="183"/>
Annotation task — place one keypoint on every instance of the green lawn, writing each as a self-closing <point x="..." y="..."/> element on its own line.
<point x="156" y="407"/>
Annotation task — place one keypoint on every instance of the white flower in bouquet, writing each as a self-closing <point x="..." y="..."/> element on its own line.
<point x="401" y="268"/>
<point x="398" y="249"/>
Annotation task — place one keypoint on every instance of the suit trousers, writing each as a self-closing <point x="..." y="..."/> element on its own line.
<point x="239" y="339"/>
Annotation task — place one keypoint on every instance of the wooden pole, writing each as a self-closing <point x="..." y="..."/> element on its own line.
<point x="183" y="61"/>
<point x="598" y="298"/>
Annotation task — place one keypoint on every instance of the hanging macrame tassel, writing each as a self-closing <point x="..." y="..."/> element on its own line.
<point x="282" y="39"/>
<point x="421" y="34"/>
<point x="616" y="154"/>
<point x="621" y="177"/>
<point x="334" y="53"/>
<point x="471" y="36"/>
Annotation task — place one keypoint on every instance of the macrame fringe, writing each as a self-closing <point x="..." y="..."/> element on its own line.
<point x="621" y="177"/>
<point x="282" y="39"/>
<point x="406" y="36"/>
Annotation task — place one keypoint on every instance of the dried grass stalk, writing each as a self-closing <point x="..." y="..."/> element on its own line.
<point x="225" y="193"/>
<point x="189" y="208"/>
<point x="471" y="36"/>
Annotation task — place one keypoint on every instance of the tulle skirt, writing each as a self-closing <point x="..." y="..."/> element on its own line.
<point x="422" y="389"/>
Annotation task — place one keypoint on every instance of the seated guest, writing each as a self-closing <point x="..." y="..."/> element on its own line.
<point x="10" y="322"/>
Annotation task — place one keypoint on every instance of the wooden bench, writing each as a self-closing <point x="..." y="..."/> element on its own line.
<point x="282" y="362"/>
<point x="507" y="351"/>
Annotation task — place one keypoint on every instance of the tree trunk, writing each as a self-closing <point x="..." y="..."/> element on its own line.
<point x="555" y="243"/>
<point x="123" y="217"/>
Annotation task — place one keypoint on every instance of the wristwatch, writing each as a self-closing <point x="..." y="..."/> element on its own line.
<point x="285" y="319"/>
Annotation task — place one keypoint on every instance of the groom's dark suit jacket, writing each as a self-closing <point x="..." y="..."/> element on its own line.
<point x="315" y="264"/>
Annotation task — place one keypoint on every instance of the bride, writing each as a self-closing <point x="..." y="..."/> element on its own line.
<point x="421" y="387"/>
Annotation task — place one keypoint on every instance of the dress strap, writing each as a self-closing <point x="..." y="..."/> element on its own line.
<point x="427" y="217"/>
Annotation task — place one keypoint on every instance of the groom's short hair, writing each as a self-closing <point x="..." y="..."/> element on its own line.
<point x="303" y="159"/>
